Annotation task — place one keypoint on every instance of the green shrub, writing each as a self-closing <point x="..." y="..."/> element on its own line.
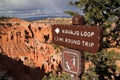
<point x="52" y="76"/>
<point x="4" y="17"/>
<point x="104" y="66"/>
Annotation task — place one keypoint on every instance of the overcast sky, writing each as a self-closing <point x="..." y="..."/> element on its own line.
<point x="30" y="8"/>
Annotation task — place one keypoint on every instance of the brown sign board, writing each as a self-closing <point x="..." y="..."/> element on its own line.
<point x="72" y="61"/>
<point x="85" y="38"/>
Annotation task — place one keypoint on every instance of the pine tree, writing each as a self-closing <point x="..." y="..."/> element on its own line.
<point x="101" y="13"/>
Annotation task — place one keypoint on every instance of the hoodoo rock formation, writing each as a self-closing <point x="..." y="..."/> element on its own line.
<point x="28" y="42"/>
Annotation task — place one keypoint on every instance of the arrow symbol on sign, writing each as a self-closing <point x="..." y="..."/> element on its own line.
<point x="57" y="30"/>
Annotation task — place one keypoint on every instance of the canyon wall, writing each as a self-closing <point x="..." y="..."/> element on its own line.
<point x="28" y="42"/>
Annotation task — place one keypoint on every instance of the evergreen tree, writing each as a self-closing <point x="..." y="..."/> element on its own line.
<point x="101" y="13"/>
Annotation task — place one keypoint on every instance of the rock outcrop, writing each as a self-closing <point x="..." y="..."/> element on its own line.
<point x="11" y="69"/>
<point x="28" y="42"/>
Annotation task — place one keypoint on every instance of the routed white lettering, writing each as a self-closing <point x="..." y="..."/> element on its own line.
<point x="59" y="39"/>
<point x="77" y="33"/>
<point x="87" y="44"/>
<point x="56" y="38"/>
<point x="72" y="41"/>
<point x="87" y="34"/>
<point x="71" y="32"/>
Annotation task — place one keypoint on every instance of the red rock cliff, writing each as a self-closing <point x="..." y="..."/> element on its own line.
<point x="28" y="42"/>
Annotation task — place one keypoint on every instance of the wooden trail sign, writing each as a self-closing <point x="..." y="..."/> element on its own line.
<point x="72" y="61"/>
<point x="80" y="37"/>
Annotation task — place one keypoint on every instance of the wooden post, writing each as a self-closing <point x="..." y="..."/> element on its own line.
<point x="78" y="20"/>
